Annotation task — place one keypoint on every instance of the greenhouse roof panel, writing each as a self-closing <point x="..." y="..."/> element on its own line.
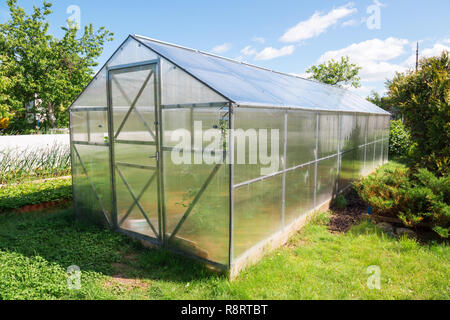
<point x="249" y="85"/>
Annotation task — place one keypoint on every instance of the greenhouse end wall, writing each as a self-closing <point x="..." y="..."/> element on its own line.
<point x="321" y="154"/>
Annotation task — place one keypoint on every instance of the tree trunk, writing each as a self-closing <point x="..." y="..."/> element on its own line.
<point x="51" y="114"/>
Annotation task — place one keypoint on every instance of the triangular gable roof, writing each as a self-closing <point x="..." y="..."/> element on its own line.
<point x="249" y="85"/>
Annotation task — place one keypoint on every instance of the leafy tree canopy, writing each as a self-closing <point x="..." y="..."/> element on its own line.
<point x="337" y="73"/>
<point x="37" y="66"/>
<point x="423" y="98"/>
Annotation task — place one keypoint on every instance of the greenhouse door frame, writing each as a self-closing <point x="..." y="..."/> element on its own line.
<point x="155" y="132"/>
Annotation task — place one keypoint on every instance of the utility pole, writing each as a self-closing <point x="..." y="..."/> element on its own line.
<point x="417" y="57"/>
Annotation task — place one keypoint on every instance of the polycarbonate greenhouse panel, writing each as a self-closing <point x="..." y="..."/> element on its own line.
<point x="245" y="84"/>
<point x="131" y="51"/>
<point x="326" y="180"/>
<point x="301" y="137"/>
<point x="299" y="193"/>
<point x="90" y="153"/>
<point x="328" y="134"/>
<point x="250" y="126"/>
<point x="349" y="136"/>
<point x="91" y="182"/>
<point x="94" y="95"/>
<point x="178" y="87"/>
<point x="361" y="125"/>
<point x="188" y="189"/>
<point x="89" y="126"/>
<point x="347" y="169"/>
<point x="257" y="213"/>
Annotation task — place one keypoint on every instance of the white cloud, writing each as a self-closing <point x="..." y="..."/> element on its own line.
<point x="369" y="50"/>
<point x="222" y="48"/>
<point x="364" y="90"/>
<point x="317" y="24"/>
<point x="249" y="51"/>
<point x="350" y="23"/>
<point x="379" y="71"/>
<point x="271" y="53"/>
<point x="259" y="39"/>
<point x="436" y="50"/>
<point x="373" y="56"/>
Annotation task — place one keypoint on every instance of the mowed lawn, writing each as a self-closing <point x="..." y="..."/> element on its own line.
<point x="37" y="248"/>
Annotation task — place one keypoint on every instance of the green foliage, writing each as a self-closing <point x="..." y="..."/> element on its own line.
<point x="375" y="98"/>
<point x="337" y="73"/>
<point x="16" y="166"/>
<point x="37" y="248"/>
<point x="7" y="101"/>
<point x="417" y="198"/>
<point x="15" y="196"/>
<point x="341" y="202"/>
<point x="36" y="66"/>
<point x="423" y="98"/>
<point x="399" y="140"/>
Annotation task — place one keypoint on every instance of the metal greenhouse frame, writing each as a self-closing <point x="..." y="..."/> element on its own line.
<point x="224" y="213"/>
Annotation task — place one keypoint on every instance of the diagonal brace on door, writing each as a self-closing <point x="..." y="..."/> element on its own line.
<point x="92" y="186"/>
<point x="136" y="110"/>
<point x="135" y="199"/>
<point x="196" y="199"/>
<point x="136" y="99"/>
<point x="149" y="182"/>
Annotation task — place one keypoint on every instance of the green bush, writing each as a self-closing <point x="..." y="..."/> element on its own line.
<point x="423" y="98"/>
<point x="416" y="197"/>
<point x="399" y="140"/>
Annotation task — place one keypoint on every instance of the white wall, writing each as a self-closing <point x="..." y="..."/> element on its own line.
<point x="33" y="142"/>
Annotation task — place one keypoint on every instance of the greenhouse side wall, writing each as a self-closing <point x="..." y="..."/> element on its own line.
<point x="321" y="154"/>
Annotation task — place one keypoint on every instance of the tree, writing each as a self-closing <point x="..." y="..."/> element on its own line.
<point x="375" y="98"/>
<point x="384" y="103"/>
<point x="47" y="69"/>
<point x="423" y="98"/>
<point x="7" y="102"/>
<point x="337" y="73"/>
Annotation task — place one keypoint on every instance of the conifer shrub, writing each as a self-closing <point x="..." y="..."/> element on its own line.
<point x="416" y="197"/>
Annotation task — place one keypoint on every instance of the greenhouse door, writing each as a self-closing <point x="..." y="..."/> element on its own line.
<point x="135" y="158"/>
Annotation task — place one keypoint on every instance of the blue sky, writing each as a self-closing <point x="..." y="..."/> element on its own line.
<point x="287" y="36"/>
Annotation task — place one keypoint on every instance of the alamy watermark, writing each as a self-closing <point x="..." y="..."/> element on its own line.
<point x="74" y="278"/>
<point x="212" y="146"/>
<point x="374" y="280"/>
<point x="373" y="21"/>
<point x="74" y="19"/>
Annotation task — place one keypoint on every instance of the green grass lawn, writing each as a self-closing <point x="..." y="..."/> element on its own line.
<point x="37" y="248"/>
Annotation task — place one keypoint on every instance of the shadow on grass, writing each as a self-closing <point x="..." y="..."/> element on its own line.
<point x="58" y="237"/>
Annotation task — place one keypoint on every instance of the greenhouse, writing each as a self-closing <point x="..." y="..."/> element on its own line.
<point x="213" y="158"/>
